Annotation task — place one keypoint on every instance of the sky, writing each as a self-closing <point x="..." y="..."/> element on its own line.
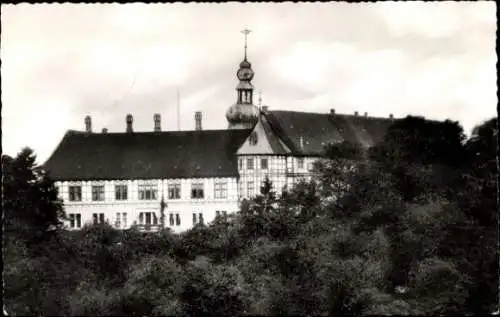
<point x="61" y="62"/>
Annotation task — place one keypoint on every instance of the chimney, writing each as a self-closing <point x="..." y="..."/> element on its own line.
<point x="366" y="114"/>
<point x="197" y="119"/>
<point x="355" y="113"/>
<point x="88" y="124"/>
<point x="157" y="122"/>
<point x="129" y="119"/>
<point x="104" y="130"/>
<point x="332" y="112"/>
<point x="391" y="116"/>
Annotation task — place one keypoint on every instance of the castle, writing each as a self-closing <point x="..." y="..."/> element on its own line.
<point x="177" y="179"/>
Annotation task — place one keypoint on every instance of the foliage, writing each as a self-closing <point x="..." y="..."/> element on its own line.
<point x="407" y="227"/>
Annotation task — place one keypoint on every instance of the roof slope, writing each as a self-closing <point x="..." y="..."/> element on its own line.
<point x="306" y="133"/>
<point x="146" y="155"/>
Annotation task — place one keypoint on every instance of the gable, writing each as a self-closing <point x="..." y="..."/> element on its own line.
<point x="265" y="141"/>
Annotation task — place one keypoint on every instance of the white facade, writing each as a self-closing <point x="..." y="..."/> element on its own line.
<point x="219" y="195"/>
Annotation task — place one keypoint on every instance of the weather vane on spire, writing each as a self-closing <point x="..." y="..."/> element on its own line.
<point x="246" y="32"/>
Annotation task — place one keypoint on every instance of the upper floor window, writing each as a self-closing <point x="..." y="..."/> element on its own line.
<point x="263" y="163"/>
<point x="240" y="164"/>
<point x="197" y="190"/>
<point x="174" y="191"/>
<point x="220" y="189"/>
<point x="75" y="193"/>
<point x="300" y="163"/>
<point x="75" y="220"/>
<point x="148" y="191"/>
<point x="121" y="192"/>
<point x="97" y="192"/>
<point x="250" y="163"/>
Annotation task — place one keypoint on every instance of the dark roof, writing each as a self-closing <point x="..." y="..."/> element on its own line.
<point x="146" y="155"/>
<point x="319" y="129"/>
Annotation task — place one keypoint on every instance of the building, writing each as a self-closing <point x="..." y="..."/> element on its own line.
<point x="180" y="178"/>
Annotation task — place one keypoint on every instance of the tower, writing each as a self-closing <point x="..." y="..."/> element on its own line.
<point x="243" y="114"/>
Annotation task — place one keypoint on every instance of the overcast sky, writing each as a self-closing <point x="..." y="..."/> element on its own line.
<point x="62" y="62"/>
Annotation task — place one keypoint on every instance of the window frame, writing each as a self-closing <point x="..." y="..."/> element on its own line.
<point x="252" y="165"/>
<point x="264" y="159"/>
<point x="197" y="190"/>
<point x="98" y="192"/>
<point x="121" y="192"/>
<point x="174" y="191"/>
<point x="220" y="189"/>
<point x="147" y="189"/>
<point x="72" y="193"/>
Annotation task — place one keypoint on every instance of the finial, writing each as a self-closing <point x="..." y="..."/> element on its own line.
<point x="246" y="32"/>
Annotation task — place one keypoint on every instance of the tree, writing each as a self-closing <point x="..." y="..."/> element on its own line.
<point x="31" y="207"/>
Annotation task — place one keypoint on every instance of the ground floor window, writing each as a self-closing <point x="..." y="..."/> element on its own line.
<point x="174" y="219"/>
<point x="98" y="218"/>
<point x="75" y="220"/>
<point x="121" y="220"/>
<point x="148" y="219"/>
<point x="197" y="218"/>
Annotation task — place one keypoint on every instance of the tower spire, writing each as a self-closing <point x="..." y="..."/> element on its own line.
<point x="246" y="32"/>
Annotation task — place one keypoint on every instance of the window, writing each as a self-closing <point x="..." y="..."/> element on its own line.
<point x="250" y="163"/>
<point x="197" y="218"/>
<point x="148" y="219"/>
<point x="222" y="213"/>
<point x="98" y="218"/>
<point x="177" y="219"/>
<point x="310" y="166"/>
<point x="263" y="163"/>
<point x="250" y="189"/>
<point x="97" y="192"/>
<point x="240" y="189"/>
<point x="123" y="221"/>
<point x="148" y="191"/>
<point x="252" y="139"/>
<point x="300" y="163"/>
<point x="221" y="189"/>
<point x="75" y="220"/>
<point x="75" y="193"/>
<point x="171" y="219"/>
<point x="174" y="191"/>
<point x="240" y="164"/>
<point x="121" y="192"/>
<point x="197" y="190"/>
<point x="117" y="220"/>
